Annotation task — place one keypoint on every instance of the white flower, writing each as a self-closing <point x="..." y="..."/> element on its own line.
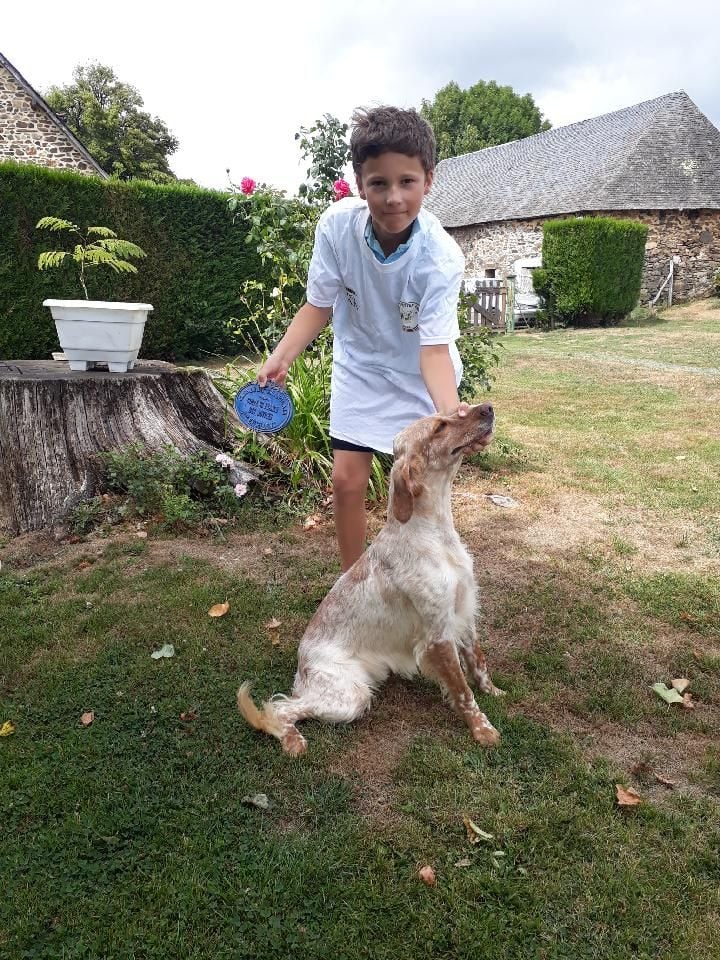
<point x="224" y="460"/>
<point x="276" y="292"/>
<point x="240" y="489"/>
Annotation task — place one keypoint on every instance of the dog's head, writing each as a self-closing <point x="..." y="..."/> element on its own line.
<point x="435" y="446"/>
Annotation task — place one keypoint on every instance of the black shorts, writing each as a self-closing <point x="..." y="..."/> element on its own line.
<point x="346" y="445"/>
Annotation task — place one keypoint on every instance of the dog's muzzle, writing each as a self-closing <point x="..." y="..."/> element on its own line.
<point x="485" y="416"/>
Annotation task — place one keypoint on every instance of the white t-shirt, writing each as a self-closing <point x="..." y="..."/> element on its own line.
<point x="382" y="314"/>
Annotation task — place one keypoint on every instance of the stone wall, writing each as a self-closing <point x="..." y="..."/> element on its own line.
<point x="28" y="135"/>
<point x="691" y="235"/>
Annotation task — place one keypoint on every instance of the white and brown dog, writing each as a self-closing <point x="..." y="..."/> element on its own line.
<point x="408" y="604"/>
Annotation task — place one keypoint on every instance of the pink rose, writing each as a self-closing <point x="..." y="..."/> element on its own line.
<point x="341" y="188"/>
<point x="247" y="185"/>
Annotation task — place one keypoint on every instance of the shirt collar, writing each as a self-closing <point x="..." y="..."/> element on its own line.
<point x="374" y="244"/>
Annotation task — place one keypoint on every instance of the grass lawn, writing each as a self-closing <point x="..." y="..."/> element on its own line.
<point x="129" y="837"/>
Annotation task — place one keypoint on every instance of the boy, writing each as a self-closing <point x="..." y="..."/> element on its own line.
<point x="390" y="276"/>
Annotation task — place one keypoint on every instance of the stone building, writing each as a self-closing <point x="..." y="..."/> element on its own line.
<point x="31" y="133"/>
<point x="657" y="162"/>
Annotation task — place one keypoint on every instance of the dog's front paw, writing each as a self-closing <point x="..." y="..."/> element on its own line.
<point x="487" y="736"/>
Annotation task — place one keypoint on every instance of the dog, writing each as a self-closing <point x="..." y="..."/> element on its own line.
<point x="409" y="603"/>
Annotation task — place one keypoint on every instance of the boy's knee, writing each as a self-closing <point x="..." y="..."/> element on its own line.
<point x="348" y="483"/>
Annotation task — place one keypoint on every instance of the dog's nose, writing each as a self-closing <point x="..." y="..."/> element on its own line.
<point x="486" y="410"/>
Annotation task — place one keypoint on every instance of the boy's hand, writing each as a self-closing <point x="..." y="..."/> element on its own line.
<point x="275" y="369"/>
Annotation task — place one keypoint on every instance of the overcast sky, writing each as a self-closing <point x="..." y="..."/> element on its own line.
<point x="234" y="82"/>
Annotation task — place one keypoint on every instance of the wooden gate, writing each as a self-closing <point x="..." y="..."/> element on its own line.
<point x="489" y="303"/>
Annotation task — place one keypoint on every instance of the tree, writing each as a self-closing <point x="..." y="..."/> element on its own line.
<point x="484" y="115"/>
<point x="106" y="116"/>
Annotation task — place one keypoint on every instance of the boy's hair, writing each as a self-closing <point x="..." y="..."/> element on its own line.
<point x="391" y="130"/>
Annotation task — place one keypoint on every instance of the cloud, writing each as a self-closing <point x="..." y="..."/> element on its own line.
<point x="235" y="84"/>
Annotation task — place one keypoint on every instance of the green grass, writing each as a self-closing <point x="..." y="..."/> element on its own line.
<point x="652" y="442"/>
<point x="687" y="337"/>
<point x="128" y="839"/>
<point x="131" y="832"/>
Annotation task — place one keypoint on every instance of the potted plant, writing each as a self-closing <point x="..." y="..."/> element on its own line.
<point x="95" y="331"/>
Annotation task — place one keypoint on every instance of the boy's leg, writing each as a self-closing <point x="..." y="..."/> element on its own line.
<point x="351" y="473"/>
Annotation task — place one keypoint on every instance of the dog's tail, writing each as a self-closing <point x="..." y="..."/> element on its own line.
<point x="268" y="720"/>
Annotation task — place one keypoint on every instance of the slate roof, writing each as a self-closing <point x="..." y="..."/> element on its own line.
<point x="663" y="154"/>
<point x="46" y="108"/>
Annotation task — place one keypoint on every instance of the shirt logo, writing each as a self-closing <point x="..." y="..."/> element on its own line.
<point x="409" y="316"/>
<point x="351" y="298"/>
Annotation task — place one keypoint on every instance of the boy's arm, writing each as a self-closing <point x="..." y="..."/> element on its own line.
<point x="305" y="326"/>
<point x="438" y="373"/>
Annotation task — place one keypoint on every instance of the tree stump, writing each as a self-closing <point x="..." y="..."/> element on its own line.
<point x="54" y="422"/>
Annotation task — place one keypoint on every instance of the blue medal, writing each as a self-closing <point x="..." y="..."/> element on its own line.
<point x="265" y="409"/>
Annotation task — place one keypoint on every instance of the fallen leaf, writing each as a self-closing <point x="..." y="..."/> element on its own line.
<point x="667" y="693"/>
<point x="311" y="521"/>
<point x="273" y="624"/>
<point x="142" y="534"/>
<point x="7" y="728"/>
<point x="680" y="684"/>
<point x="259" y="800"/>
<point x="687" y="701"/>
<point x="465" y="862"/>
<point x="664" y="781"/>
<point x="83" y="565"/>
<point x="683" y="456"/>
<point x="427" y="875"/>
<point x="474" y="833"/>
<point x="87" y="718"/>
<point x="501" y="501"/>
<point x="166" y="650"/>
<point x="188" y="716"/>
<point x="268" y="551"/>
<point x="627" y="797"/>
<point x="219" y="609"/>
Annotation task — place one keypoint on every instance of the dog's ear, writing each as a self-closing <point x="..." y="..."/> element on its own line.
<point x="406" y="480"/>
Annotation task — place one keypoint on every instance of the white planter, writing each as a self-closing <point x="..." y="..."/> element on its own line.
<point x="95" y="331"/>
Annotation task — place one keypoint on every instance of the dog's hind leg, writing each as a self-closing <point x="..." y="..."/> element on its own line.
<point x="290" y="712"/>
<point x="277" y="718"/>
<point x="440" y="662"/>
<point x="322" y="696"/>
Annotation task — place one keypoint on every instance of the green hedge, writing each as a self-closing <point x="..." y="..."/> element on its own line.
<point x="196" y="260"/>
<point x="592" y="268"/>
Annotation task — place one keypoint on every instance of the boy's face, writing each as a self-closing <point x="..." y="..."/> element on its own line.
<point x="393" y="185"/>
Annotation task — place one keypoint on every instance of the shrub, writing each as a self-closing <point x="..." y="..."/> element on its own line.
<point x="592" y="269"/>
<point x="175" y="489"/>
<point x="479" y="351"/>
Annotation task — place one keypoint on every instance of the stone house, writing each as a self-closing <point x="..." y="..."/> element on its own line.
<point x="657" y="162"/>
<point x="31" y="133"/>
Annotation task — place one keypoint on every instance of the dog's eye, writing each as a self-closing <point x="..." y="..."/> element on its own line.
<point x="440" y="426"/>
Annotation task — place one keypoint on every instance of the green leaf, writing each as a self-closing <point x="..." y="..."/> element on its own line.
<point x="668" y="694"/>
<point x="166" y="650"/>
<point x="51" y="258"/>
<point x="101" y="231"/>
<point x="123" y="248"/>
<point x="54" y="224"/>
